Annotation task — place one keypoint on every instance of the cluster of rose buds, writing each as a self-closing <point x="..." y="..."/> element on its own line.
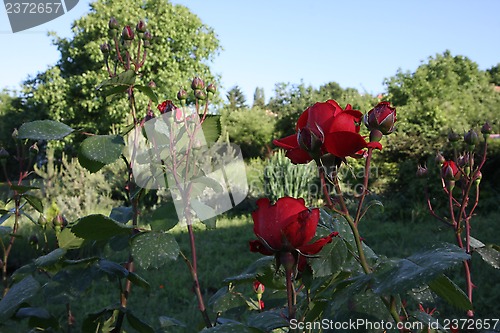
<point x="127" y="36"/>
<point x="463" y="165"/>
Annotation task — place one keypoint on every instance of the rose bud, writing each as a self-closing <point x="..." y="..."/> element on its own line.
<point x="471" y="139"/>
<point x="127" y="33"/>
<point x="453" y="137"/>
<point x="486" y="130"/>
<point x="113" y="24"/>
<point x="200" y="94"/>
<point x="258" y="287"/>
<point x="439" y="158"/>
<point x="310" y="141"/>
<point x="105" y="48"/>
<point x="197" y="84"/>
<point x="211" y="88"/>
<point x="422" y="171"/>
<point x="382" y="117"/>
<point x="182" y="95"/>
<point x="141" y="26"/>
<point x="450" y="171"/>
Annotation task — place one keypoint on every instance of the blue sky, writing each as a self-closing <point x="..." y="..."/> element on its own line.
<point x="355" y="43"/>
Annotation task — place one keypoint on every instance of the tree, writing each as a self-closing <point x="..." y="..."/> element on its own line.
<point x="236" y="98"/>
<point x="494" y="74"/>
<point x="259" y="99"/>
<point x="446" y="92"/>
<point x="182" y="47"/>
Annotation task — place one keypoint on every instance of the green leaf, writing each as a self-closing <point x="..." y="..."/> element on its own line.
<point x="148" y="92"/>
<point x="102" y="148"/>
<point x="38" y="317"/>
<point x="44" y="130"/>
<point x="115" y="90"/>
<point x="34" y="202"/>
<point x="450" y="292"/>
<point x="98" y="321"/>
<point x="138" y="324"/>
<point x="331" y="258"/>
<point x="490" y="255"/>
<point x="138" y="280"/>
<point x="50" y="258"/>
<point x="268" y="320"/>
<point x="166" y="322"/>
<point x="225" y="300"/>
<point x="154" y="249"/>
<point x="22" y="189"/>
<point x="112" y="268"/>
<point x="90" y="165"/>
<point x="164" y="217"/>
<point x="99" y="227"/>
<point x="5" y="230"/>
<point x="5" y="218"/>
<point x="67" y="240"/>
<point x="121" y="214"/>
<point x="211" y="128"/>
<point x="126" y="78"/>
<point x="18" y="294"/>
<point x="397" y="276"/>
<point x="257" y="268"/>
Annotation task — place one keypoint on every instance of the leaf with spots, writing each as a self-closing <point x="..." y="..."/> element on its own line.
<point x="154" y="249"/>
<point x="44" y="130"/>
<point x="102" y="148"/>
<point x="18" y="294"/>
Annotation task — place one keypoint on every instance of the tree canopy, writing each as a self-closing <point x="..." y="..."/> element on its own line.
<point x="182" y="48"/>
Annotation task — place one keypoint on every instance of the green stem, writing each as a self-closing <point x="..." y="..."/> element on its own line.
<point x="365" y="186"/>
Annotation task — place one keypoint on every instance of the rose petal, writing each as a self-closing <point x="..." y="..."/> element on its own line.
<point x="303" y="228"/>
<point x="344" y="144"/>
<point x="257" y="246"/>
<point x="270" y="221"/>
<point x="318" y="245"/>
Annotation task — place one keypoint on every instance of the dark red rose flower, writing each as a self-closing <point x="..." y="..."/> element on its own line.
<point x="286" y="226"/>
<point x="325" y="128"/>
<point x="382" y="117"/>
<point x="168" y="106"/>
<point x="450" y="171"/>
<point x="258" y="287"/>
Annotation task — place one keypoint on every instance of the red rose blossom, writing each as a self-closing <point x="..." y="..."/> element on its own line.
<point x="286" y="226"/>
<point x="325" y="128"/>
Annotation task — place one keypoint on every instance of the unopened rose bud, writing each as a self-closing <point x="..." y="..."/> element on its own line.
<point x="127" y="33"/>
<point x="182" y="95"/>
<point x="105" y="48"/>
<point x="422" y="171"/>
<point x="197" y="84"/>
<point x="486" y="130"/>
<point x="471" y="139"/>
<point x="141" y="26"/>
<point x="450" y="171"/>
<point x="453" y="137"/>
<point x="478" y="178"/>
<point x="147" y="36"/>
<point x="152" y="84"/>
<point x="382" y="117"/>
<point x="200" y="94"/>
<point x="42" y="221"/>
<point x="310" y="141"/>
<point x="439" y="158"/>
<point x="113" y="24"/>
<point x="258" y="287"/>
<point x="34" y="149"/>
<point x="211" y="88"/>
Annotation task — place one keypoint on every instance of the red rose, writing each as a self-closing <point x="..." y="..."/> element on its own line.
<point x="286" y="226"/>
<point x="325" y="128"/>
<point x="382" y="117"/>
<point x="450" y="171"/>
<point x="258" y="287"/>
